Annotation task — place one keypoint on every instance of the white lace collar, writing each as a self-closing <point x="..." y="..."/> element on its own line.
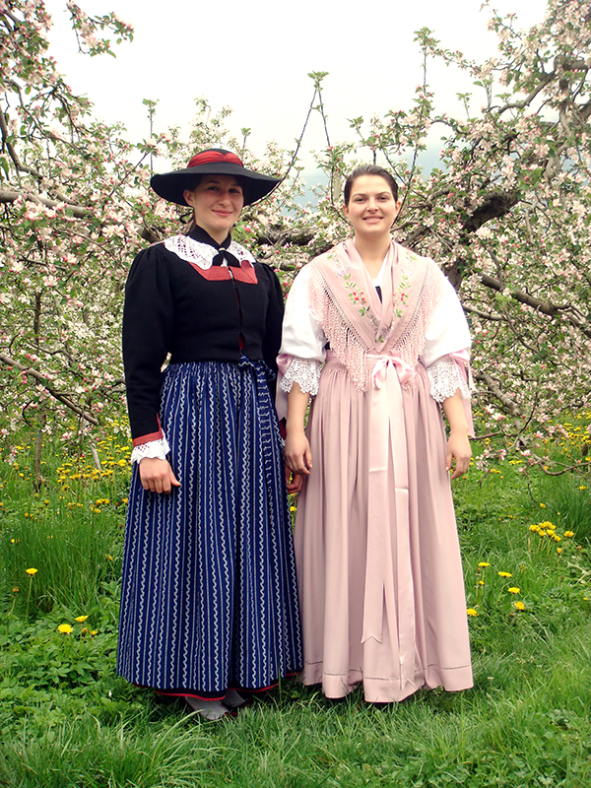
<point x="202" y="254"/>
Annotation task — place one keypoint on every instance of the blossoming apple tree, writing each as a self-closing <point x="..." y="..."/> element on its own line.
<point x="506" y="214"/>
<point x="75" y="208"/>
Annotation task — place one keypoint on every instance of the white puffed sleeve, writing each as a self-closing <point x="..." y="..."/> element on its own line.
<point x="302" y="351"/>
<point x="447" y="342"/>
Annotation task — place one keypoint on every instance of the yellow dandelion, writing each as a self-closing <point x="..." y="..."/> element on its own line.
<point x="519" y="605"/>
<point x="471" y="612"/>
<point x="481" y="582"/>
<point x="514" y="590"/>
<point x="31" y="571"/>
<point x="534" y="528"/>
<point x="292" y="508"/>
<point x="505" y="574"/>
<point x="582" y="487"/>
<point x="81" y="619"/>
<point x="483" y="564"/>
<point x="94" y="632"/>
<point x="569" y="534"/>
<point x="559" y="550"/>
<point x="109" y="557"/>
<point x="65" y="629"/>
<point x="542" y="506"/>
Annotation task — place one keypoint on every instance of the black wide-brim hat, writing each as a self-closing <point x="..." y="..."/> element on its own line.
<point x="215" y="161"/>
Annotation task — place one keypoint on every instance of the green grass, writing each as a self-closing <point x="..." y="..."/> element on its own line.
<point x="66" y="719"/>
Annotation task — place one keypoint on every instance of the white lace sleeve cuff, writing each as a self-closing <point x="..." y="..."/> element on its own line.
<point x="306" y="372"/>
<point x="446" y="378"/>
<point x="153" y="450"/>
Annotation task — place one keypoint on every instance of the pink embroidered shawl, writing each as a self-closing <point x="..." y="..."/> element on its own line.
<point x="357" y="324"/>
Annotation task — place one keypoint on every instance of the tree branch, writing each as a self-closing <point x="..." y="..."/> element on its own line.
<point x="542" y="462"/>
<point x="494" y="389"/>
<point x="545" y="307"/>
<point x="494" y="205"/>
<point x="484" y="315"/>
<point x="43" y="380"/>
<point x="546" y="79"/>
<point x="9" y="195"/>
<point x="12" y="151"/>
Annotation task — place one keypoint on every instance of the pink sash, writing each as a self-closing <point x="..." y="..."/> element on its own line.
<point x="387" y="437"/>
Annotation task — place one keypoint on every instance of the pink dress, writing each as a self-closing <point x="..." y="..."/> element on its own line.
<point x="379" y="568"/>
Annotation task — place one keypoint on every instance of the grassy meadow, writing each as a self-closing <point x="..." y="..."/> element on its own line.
<point x="67" y="720"/>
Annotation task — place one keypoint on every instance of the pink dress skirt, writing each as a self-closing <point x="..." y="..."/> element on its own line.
<point x="378" y="560"/>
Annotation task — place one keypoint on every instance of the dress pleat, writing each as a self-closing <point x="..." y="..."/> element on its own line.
<point x="209" y="596"/>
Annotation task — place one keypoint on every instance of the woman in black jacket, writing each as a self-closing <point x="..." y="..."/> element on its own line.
<point x="209" y="601"/>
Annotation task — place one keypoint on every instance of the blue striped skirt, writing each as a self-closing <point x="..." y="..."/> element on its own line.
<point x="209" y="596"/>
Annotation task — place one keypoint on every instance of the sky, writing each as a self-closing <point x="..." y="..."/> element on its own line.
<point x="254" y="56"/>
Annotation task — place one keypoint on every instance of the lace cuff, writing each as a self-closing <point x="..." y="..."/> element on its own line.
<point x="304" y="371"/>
<point x="154" y="450"/>
<point x="446" y="378"/>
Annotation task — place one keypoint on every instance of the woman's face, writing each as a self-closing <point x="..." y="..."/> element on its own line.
<point x="371" y="209"/>
<point x="216" y="204"/>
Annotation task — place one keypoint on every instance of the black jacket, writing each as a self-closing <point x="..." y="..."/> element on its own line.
<point x="170" y="307"/>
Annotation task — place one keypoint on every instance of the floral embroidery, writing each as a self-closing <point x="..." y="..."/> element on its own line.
<point x="384" y="335"/>
<point x="356" y="295"/>
<point x="341" y="268"/>
<point x="400" y="297"/>
<point x="418" y="287"/>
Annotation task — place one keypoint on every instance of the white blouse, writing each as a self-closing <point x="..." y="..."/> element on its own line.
<point x="304" y="341"/>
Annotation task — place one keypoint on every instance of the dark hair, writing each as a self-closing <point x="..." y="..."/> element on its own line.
<point x="370" y="169"/>
<point x="193" y="183"/>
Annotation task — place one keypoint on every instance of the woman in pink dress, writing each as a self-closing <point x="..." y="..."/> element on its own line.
<point x="376" y="334"/>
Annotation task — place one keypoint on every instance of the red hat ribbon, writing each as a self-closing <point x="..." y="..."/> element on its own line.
<point x="210" y="156"/>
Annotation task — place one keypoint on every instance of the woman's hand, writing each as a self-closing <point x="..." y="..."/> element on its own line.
<point x="293" y="481"/>
<point x="458" y="443"/>
<point x="458" y="447"/>
<point x="157" y="476"/>
<point x="298" y="456"/>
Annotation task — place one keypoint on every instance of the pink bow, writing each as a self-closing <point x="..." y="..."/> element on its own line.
<point x="405" y="372"/>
